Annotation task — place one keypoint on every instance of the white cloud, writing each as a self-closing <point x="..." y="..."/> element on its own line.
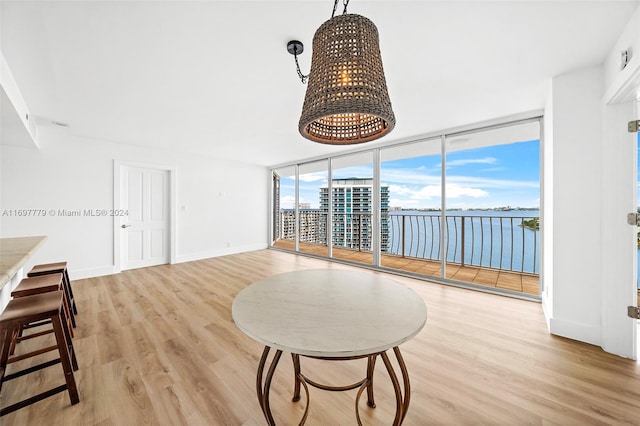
<point x="287" y="202"/>
<point x="403" y="194"/>
<point x="492" y="183"/>
<point x="313" y="177"/>
<point x="400" y="190"/>
<point x="403" y="177"/>
<point x="457" y="191"/>
<point x="405" y="203"/>
<point x="464" y="162"/>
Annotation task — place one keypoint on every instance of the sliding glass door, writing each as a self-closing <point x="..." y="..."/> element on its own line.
<point x="461" y="207"/>
<point x="411" y="175"/>
<point x="493" y="207"/>
<point x="312" y="179"/>
<point x="352" y="207"/>
<point x="284" y="218"/>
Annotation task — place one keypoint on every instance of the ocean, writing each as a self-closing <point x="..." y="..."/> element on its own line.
<point x="489" y="238"/>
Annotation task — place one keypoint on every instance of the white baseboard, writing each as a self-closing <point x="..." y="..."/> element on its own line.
<point x="79" y="274"/>
<point x="547" y="311"/>
<point x="217" y="253"/>
<point x="576" y="331"/>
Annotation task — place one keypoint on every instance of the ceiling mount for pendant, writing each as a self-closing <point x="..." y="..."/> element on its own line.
<point x="295" y="47"/>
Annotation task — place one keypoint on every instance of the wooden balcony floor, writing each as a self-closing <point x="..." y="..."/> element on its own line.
<point x="514" y="281"/>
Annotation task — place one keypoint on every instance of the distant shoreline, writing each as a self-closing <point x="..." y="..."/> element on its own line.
<point x="493" y="209"/>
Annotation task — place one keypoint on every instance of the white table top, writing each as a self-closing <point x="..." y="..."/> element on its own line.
<point x="329" y="312"/>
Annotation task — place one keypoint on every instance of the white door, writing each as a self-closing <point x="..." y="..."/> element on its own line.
<point x="144" y="197"/>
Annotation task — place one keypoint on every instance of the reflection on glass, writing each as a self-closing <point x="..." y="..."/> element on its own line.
<point x="313" y="214"/>
<point x="283" y="215"/>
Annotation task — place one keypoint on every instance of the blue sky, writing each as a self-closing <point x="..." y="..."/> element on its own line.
<point x="495" y="176"/>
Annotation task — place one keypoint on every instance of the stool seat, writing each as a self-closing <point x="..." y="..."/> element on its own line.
<point x="25" y="310"/>
<point x="58" y="268"/>
<point x="42" y="284"/>
<point x="38" y="284"/>
<point x="48" y="268"/>
<point x="32" y="308"/>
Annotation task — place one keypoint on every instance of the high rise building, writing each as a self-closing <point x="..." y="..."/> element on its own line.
<point x="312" y="229"/>
<point x="352" y="209"/>
<point x="352" y="216"/>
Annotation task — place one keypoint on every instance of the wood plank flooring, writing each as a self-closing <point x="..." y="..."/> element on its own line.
<point x="157" y="346"/>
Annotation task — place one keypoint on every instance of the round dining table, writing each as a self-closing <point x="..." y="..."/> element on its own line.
<point x="331" y="314"/>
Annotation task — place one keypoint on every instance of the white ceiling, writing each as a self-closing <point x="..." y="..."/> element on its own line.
<point x="214" y="78"/>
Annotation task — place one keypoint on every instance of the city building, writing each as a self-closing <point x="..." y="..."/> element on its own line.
<point x="352" y="212"/>
<point x="311" y="225"/>
<point x="352" y="215"/>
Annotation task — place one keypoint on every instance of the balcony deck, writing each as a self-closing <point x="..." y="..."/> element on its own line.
<point x="487" y="277"/>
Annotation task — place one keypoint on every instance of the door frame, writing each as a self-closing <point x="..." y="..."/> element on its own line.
<point x="118" y="166"/>
<point x="619" y="332"/>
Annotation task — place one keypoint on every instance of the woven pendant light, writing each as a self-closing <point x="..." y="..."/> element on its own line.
<point x="346" y="100"/>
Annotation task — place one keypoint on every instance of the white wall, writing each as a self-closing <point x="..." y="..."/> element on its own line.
<point x="590" y="162"/>
<point x="575" y="159"/>
<point x="225" y="204"/>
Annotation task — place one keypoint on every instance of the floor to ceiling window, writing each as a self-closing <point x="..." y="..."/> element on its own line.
<point x="352" y="207"/>
<point x="313" y="231"/>
<point x="412" y="174"/>
<point x="493" y="207"/>
<point x="283" y="220"/>
<point x="460" y="207"/>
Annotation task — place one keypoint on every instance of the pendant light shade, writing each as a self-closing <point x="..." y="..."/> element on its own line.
<point x="346" y="100"/>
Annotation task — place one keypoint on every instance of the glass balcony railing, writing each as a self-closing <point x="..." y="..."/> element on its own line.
<point x="497" y="241"/>
<point x="502" y="242"/>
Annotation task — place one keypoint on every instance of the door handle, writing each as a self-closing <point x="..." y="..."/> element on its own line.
<point x="124" y="226"/>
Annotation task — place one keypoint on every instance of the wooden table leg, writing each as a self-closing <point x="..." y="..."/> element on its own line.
<point x="371" y="363"/>
<point x="406" y="384"/>
<point x="402" y="401"/>
<point x="264" y="389"/>
<point x="296" y="377"/>
<point x="402" y="393"/>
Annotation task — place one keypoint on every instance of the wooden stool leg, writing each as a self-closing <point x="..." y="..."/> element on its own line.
<point x="5" y="344"/>
<point x="15" y="334"/>
<point x="67" y="315"/>
<point x="69" y="301"/>
<point x="68" y="334"/>
<point x="65" y="359"/>
<point x="70" y="290"/>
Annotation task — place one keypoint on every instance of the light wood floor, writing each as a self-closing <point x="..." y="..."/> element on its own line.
<point x="528" y="284"/>
<point x="158" y="346"/>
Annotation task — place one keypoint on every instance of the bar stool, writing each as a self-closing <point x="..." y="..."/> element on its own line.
<point x="38" y="285"/>
<point x="58" y="268"/>
<point x="27" y="310"/>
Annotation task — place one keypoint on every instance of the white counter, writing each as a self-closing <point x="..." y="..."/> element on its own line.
<point x="14" y="253"/>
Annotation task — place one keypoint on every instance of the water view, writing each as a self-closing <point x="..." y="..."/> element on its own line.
<point x="500" y="239"/>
